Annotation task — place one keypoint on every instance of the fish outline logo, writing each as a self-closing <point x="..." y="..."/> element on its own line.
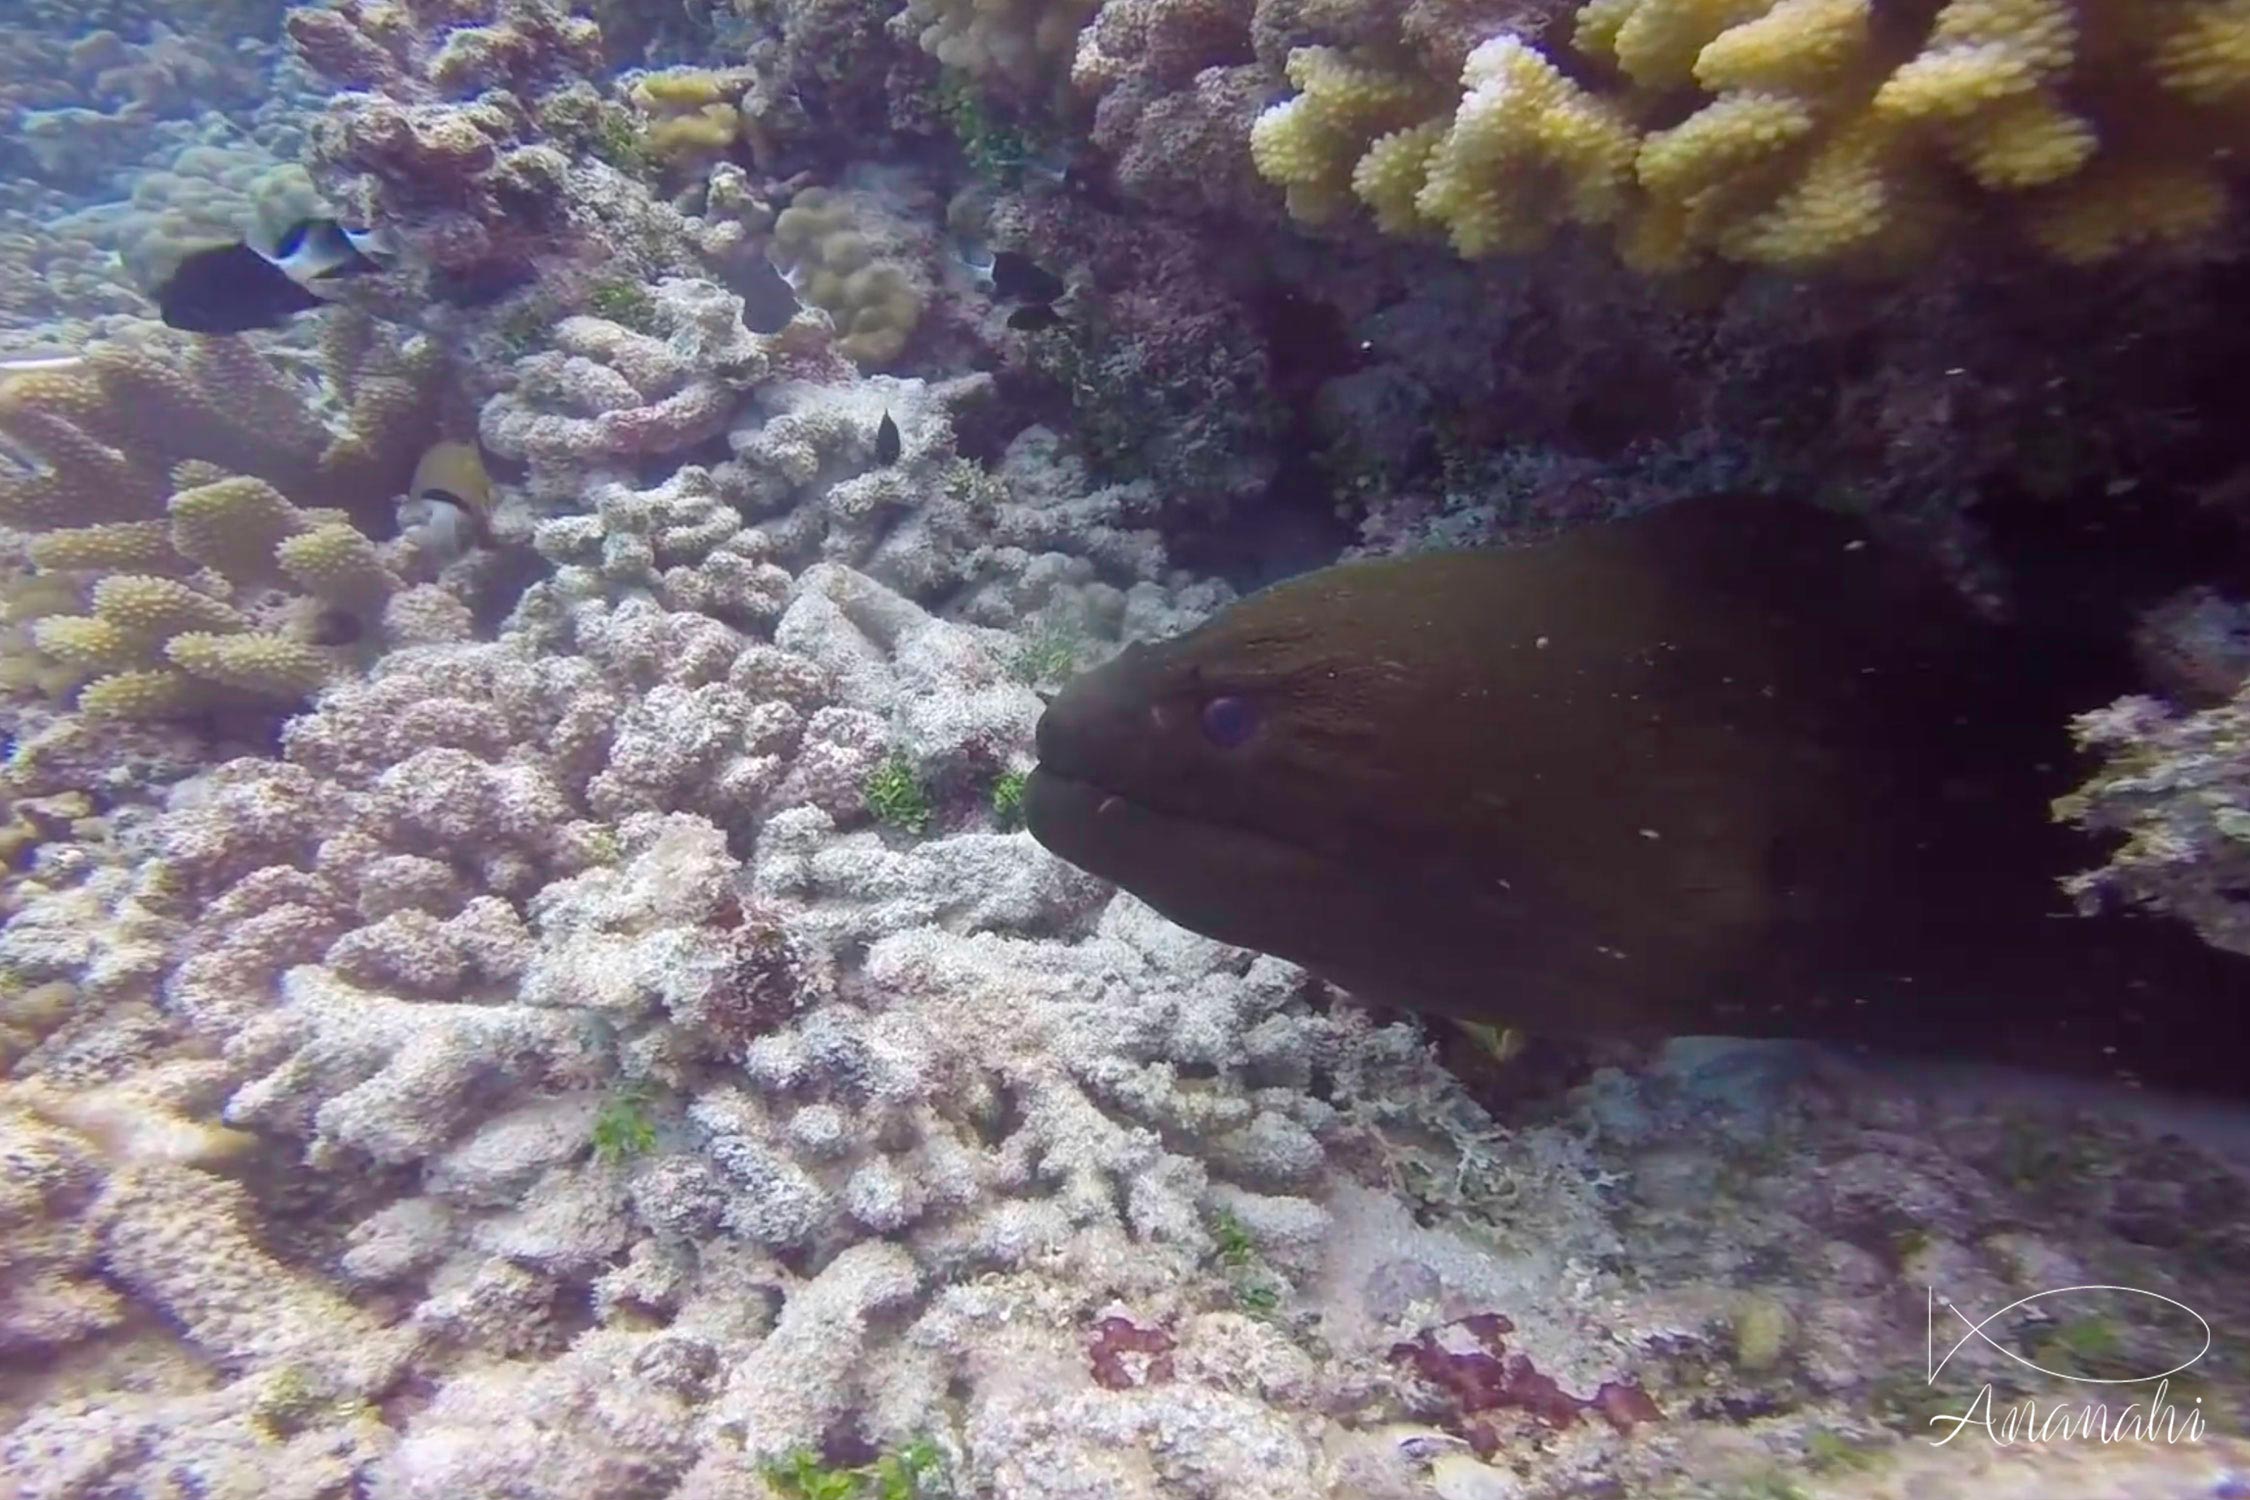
<point x="1933" y="1364"/>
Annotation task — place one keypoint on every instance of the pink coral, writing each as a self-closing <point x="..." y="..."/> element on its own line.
<point x="1469" y="1364"/>
<point x="1124" y="1354"/>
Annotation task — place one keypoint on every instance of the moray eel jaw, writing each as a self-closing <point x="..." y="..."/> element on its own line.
<point x="1232" y="884"/>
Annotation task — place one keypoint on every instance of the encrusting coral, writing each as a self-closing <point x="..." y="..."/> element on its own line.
<point x="608" y="395"/>
<point x="1815" y="140"/>
<point x="695" y="114"/>
<point x="1020" y="49"/>
<point x="152" y="488"/>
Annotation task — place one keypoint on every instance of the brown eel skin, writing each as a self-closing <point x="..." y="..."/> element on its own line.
<point x="1731" y="767"/>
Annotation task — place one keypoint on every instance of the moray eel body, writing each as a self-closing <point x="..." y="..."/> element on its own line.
<point x="1727" y="768"/>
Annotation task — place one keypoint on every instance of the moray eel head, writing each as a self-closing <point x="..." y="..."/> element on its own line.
<point x="1266" y="779"/>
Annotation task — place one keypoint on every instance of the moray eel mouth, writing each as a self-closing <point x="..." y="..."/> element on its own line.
<point x="1234" y="884"/>
<point x="1121" y="840"/>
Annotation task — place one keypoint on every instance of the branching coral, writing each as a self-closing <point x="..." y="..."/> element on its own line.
<point x="1309" y="143"/>
<point x="1814" y="139"/>
<point x="105" y="438"/>
<point x="138" y="519"/>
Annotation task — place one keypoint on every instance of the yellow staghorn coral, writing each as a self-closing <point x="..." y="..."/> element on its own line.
<point x="155" y="489"/>
<point x="680" y="88"/>
<point x="1988" y="80"/>
<point x="710" y="131"/>
<point x="155" y="608"/>
<point x="269" y="666"/>
<point x="2202" y="53"/>
<point x="64" y="417"/>
<point x="131" y="648"/>
<point x="1310" y="144"/>
<point x="1800" y="47"/>
<point x="1795" y="133"/>
<point x="337" y="564"/>
<point x="2119" y="206"/>
<point x="1390" y="177"/>
<point x="88" y="645"/>
<point x="233" y="526"/>
<point x="155" y="693"/>
<point x="1657" y="45"/>
<point x="1528" y="150"/>
<point x="117" y="546"/>
<point x="103" y="436"/>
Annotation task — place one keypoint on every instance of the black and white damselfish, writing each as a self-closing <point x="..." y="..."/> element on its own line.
<point x="239" y="285"/>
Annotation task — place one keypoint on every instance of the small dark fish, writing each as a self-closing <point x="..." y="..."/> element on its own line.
<point x="335" y="627"/>
<point x="1016" y="277"/>
<point x="230" y="289"/>
<point x="886" y="441"/>
<point x="1034" y="318"/>
<point x="1091" y="181"/>
<point x="1731" y="767"/>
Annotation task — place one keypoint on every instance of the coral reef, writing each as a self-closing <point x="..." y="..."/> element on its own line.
<point x="1025" y="540"/>
<point x="1156" y="327"/>
<point x="697" y="1112"/>
<point x="467" y="131"/>
<point x="1019" y="50"/>
<point x="600" y="1029"/>
<point x="694" y="114"/>
<point x="82" y="97"/>
<point x="821" y="72"/>
<point x="103" y="439"/>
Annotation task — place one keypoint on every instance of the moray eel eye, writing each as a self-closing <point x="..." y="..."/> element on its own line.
<point x="1229" y="721"/>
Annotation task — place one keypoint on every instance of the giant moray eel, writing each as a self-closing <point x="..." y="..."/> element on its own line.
<point x="1730" y="767"/>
